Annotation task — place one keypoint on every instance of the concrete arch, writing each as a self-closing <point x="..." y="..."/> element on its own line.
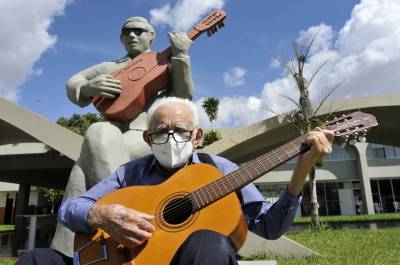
<point x="19" y="125"/>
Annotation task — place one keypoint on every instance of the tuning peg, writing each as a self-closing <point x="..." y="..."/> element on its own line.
<point x="209" y="33"/>
<point x="362" y="139"/>
<point x="352" y="142"/>
<point x="221" y="24"/>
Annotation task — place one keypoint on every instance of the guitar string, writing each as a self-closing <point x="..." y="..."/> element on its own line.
<point x="271" y="157"/>
<point x="187" y="204"/>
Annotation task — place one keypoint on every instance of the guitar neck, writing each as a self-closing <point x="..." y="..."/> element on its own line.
<point x="247" y="173"/>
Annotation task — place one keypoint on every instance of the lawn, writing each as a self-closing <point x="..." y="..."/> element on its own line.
<point x="348" y="246"/>
<point x="351" y="218"/>
<point x="340" y="246"/>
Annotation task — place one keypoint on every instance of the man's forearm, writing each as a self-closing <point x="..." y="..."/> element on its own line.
<point x="182" y="83"/>
<point x="298" y="178"/>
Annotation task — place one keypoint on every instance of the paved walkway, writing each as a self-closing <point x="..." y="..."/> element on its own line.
<point x="258" y="262"/>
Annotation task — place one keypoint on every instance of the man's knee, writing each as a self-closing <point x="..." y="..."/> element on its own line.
<point x="41" y="256"/>
<point x="211" y="238"/>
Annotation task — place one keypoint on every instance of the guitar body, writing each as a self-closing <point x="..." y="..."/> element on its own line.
<point x="223" y="216"/>
<point x="142" y="79"/>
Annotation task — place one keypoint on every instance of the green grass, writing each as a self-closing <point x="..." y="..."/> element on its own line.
<point x="350" y="218"/>
<point x="7" y="261"/>
<point x="4" y="228"/>
<point x="348" y="246"/>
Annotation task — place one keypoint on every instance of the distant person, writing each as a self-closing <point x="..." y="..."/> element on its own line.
<point x="358" y="205"/>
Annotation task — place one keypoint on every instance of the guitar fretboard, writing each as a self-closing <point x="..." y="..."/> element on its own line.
<point x="246" y="174"/>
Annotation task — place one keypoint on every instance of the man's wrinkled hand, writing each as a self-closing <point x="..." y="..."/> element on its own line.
<point x="321" y="146"/>
<point x="103" y="85"/>
<point x="127" y="226"/>
<point x="180" y="43"/>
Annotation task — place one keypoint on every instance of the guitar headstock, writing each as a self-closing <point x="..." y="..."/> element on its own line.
<point x="352" y="127"/>
<point x="212" y="22"/>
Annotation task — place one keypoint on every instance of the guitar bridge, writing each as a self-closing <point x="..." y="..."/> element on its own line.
<point x="102" y="242"/>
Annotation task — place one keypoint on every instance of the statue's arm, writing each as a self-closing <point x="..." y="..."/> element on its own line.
<point x="93" y="81"/>
<point x="180" y="69"/>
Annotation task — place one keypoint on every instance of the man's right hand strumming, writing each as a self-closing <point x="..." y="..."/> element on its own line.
<point x="127" y="226"/>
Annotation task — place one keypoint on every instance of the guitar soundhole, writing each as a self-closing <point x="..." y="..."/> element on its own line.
<point x="177" y="211"/>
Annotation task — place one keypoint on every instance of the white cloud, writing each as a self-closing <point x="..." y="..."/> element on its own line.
<point x="184" y="14"/>
<point x="235" y="112"/>
<point x="364" y="56"/>
<point x="234" y="77"/>
<point x="24" y="33"/>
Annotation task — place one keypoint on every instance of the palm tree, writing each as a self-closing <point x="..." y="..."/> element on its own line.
<point x="304" y="118"/>
<point x="210" y="106"/>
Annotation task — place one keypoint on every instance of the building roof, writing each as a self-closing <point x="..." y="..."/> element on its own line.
<point x="25" y="163"/>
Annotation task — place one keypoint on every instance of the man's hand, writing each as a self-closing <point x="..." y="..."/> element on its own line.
<point x="321" y="145"/>
<point x="103" y="85"/>
<point x="127" y="226"/>
<point x="180" y="43"/>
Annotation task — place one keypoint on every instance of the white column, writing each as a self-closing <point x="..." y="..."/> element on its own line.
<point x="362" y="165"/>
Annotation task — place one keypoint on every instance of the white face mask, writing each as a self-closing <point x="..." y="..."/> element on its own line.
<point x="172" y="154"/>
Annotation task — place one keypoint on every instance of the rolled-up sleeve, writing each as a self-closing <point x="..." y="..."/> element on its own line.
<point x="73" y="212"/>
<point x="271" y="221"/>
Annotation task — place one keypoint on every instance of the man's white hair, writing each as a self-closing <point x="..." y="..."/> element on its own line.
<point x="168" y="101"/>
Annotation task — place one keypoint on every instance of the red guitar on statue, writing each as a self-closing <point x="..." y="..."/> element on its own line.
<point x="146" y="75"/>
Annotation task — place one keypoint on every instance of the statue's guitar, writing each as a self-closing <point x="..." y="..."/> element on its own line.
<point x="146" y="75"/>
<point x="196" y="197"/>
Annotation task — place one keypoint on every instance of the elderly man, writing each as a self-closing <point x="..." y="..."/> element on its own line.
<point x="109" y="144"/>
<point x="173" y="134"/>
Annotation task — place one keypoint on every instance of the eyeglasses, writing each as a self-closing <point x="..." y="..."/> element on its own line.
<point x="180" y="136"/>
<point x="137" y="31"/>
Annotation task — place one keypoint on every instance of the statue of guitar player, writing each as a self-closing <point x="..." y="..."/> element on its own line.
<point x="109" y="144"/>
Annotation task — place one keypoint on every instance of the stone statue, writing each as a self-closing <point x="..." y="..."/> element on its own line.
<point x="110" y="144"/>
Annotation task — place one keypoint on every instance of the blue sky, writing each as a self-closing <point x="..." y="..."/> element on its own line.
<point x="44" y="42"/>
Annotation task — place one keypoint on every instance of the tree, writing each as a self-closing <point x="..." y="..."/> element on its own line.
<point x="79" y="123"/>
<point x="305" y="117"/>
<point x="210" y="106"/>
<point x="52" y="195"/>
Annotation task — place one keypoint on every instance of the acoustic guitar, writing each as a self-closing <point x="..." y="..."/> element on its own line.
<point x="146" y="75"/>
<point x="197" y="197"/>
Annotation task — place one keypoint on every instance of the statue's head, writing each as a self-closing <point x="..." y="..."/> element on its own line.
<point x="137" y="35"/>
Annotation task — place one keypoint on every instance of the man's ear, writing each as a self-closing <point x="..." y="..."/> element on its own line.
<point x="146" y="137"/>
<point x="198" y="137"/>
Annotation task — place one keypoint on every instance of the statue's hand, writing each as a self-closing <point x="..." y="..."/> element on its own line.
<point x="180" y="43"/>
<point x="102" y="86"/>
